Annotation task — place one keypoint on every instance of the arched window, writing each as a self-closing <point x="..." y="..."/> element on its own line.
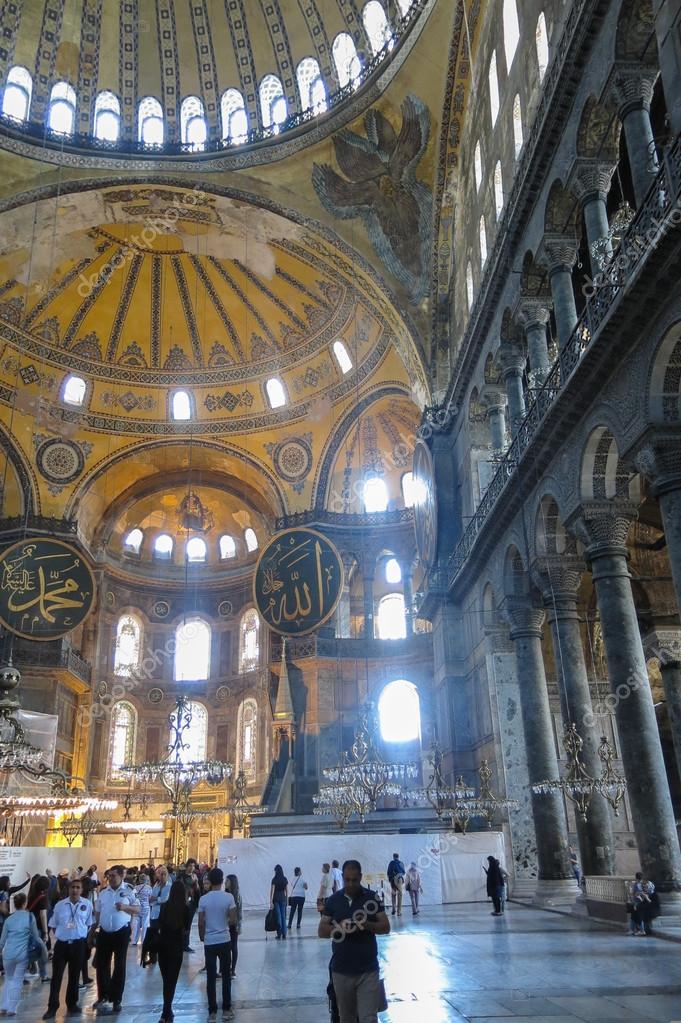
<point x="122" y="738"/>
<point x="181" y="406"/>
<point x="276" y="395"/>
<point x="249" y="640"/>
<point x="195" y="735"/>
<point x="483" y="242"/>
<point x="393" y="572"/>
<point x="16" y="99"/>
<point x="498" y="189"/>
<point x="61" y="115"/>
<point x="107" y="116"/>
<point x="272" y="102"/>
<point x="470" y="291"/>
<point x="542" y="46"/>
<point x="74" y="390"/>
<point x="342" y="357"/>
<point x="163" y="547"/>
<point x="192" y="651"/>
<point x="477" y="165"/>
<point x="375" y="495"/>
<point x="399" y="712"/>
<point x="196" y="549"/>
<point x="150" y="122"/>
<point x="376" y="26"/>
<point x="193" y="130"/>
<point x="247" y="738"/>
<point x="511" y="31"/>
<point x="517" y="126"/>
<point x="251" y="540"/>
<point x="311" y="86"/>
<point x="493" y="80"/>
<point x="128" y="645"/>
<point x="409" y="489"/>
<point x="234" y="117"/>
<point x="348" y="64"/>
<point x="390" y="620"/>
<point x="227" y="547"/>
<point x="133" y="540"/>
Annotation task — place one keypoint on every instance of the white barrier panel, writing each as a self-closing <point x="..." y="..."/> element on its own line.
<point x="17" y="862"/>
<point x="461" y="862"/>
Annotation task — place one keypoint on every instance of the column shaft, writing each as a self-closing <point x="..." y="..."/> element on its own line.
<point x="597" y="227"/>
<point x="670" y="507"/>
<point x="497" y="425"/>
<point x="538" y="350"/>
<point x="516" y="400"/>
<point x="671" y="680"/>
<point x="564" y="307"/>
<point x="408" y="601"/>
<point x="668" y="30"/>
<point x="368" y="607"/>
<point x="644" y="767"/>
<point x="638" y="132"/>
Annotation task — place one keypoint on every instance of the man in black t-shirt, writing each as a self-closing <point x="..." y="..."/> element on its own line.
<point x="352" y="918"/>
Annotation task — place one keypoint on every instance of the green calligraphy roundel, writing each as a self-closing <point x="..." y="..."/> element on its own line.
<point x="46" y="588"/>
<point x="298" y="582"/>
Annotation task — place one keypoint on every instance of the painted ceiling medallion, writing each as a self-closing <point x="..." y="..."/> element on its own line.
<point x="161" y="608"/>
<point x="155" y="695"/>
<point x="60" y="461"/>
<point x="292" y="459"/>
<point x="225" y="609"/>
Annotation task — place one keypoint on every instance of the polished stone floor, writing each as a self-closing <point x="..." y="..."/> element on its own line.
<point x="450" y="963"/>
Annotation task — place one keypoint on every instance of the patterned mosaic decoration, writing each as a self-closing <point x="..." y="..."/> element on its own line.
<point x="59" y="461"/>
<point x="292" y="459"/>
<point x="380" y="187"/>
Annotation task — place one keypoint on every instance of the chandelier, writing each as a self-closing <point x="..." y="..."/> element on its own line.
<point x="577" y="784"/>
<point x="603" y="249"/>
<point x="239" y="807"/>
<point x="459" y="803"/>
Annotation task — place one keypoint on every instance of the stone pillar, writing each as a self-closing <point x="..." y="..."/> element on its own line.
<point x="495" y="401"/>
<point x="589" y="182"/>
<point x="559" y="577"/>
<point x="408" y="597"/>
<point x="343" y="616"/>
<point x="548" y="811"/>
<point x="559" y="253"/>
<point x="533" y="315"/>
<point x="665" y="644"/>
<point x="659" y="458"/>
<point x="368" y="593"/>
<point x="668" y="32"/>
<point x="630" y="90"/>
<point x="603" y="527"/>
<point x="511" y="358"/>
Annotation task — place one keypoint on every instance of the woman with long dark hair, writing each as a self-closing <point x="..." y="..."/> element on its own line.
<point x="278" y="899"/>
<point x="173" y="922"/>
<point x="232" y="886"/>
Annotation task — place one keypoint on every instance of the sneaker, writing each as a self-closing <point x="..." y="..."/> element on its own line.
<point x="212" y="1017"/>
<point x="227" y="1014"/>
<point x="75" y="1011"/>
<point x="100" y="1003"/>
<point x="50" y="1014"/>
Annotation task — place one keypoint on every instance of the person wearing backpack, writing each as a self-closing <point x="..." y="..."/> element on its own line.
<point x="396" y="873"/>
<point x="19" y="936"/>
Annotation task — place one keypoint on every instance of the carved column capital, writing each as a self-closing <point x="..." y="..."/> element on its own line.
<point x="630" y="86"/>
<point x="557" y="251"/>
<point x="663" y="642"/>
<point x="524" y="617"/>
<point x="659" y="459"/>
<point x="530" y="312"/>
<point x="511" y="359"/>
<point x="603" y="526"/>
<point x="590" y="178"/>
<point x="558" y="576"/>
<point x="492" y="396"/>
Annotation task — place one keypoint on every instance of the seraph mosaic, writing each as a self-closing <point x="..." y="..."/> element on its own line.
<point x="380" y="187"/>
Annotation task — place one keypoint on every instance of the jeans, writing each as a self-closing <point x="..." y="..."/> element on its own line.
<point x="140" y="924"/>
<point x="234" y="945"/>
<point x="66" y="954"/>
<point x="11" y="989"/>
<point x="298" y="903"/>
<point x="115" y="943"/>
<point x="187" y="933"/>
<point x="414" y="896"/>
<point x="280" y="910"/>
<point x="212" y="954"/>
<point x="396" y="893"/>
<point x="357" y="996"/>
<point x="170" y="962"/>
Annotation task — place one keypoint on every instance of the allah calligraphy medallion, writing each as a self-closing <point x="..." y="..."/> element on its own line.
<point x="46" y="589"/>
<point x="298" y="582"/>
<point x="425" y="505"/>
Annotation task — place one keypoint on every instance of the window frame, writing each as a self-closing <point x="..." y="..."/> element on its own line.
<point x="114" y="775"/>
<point x="64" y="387"/>
<point x="246" y="663"/>
<point x="182" y="675"/>
<point x="25" y="88"/>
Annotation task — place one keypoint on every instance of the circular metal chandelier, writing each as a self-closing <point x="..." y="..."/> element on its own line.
<point x="577" y="784"/>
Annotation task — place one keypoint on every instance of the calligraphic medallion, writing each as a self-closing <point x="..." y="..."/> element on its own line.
<point x="298" y="582"/>
<point x="425" y="505"/>
<point x="46" y="588"/>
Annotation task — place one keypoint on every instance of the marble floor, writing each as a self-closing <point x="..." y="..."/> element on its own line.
<point x="450" y="963"/>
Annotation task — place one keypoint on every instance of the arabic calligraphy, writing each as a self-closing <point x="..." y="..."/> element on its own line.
<point x="298" y="582"/>
<point x="46" y="588"/>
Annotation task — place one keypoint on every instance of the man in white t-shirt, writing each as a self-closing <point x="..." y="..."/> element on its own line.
<point x="217" y="912"/>
<point x="337" y="876"/>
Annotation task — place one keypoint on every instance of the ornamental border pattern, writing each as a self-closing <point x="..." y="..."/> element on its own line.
<point x="206" y="65"/>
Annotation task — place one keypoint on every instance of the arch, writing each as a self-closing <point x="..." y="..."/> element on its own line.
<point x="251" y="540"/>
<point x="234" y="116"/>
<point x="516" y="581"/>
<point x="635" y="34"/>
<point x="247" y="738"/>
<point x="560" y="215"/>
<point x="163" y="546"/>
<point x="342" y="357"/>
<point x="181" y="406"/>
<point x="603" y="475"/>
<point x="518" y="139"/>
<point x="511" y="31"/>
<point x="346" y="59"/>
<point x="133" y="540"/>
<point x="374" y="495"/>
<point x="61" y="111"/>
<point x="542" y="45"/>
<point x="483" y="241"/>
<point x="193" y="127"/>
<point x="273" y="109"/>
<point x="196" y="550"/>
<point x="311" y="86"/>
<point x="551" y="536"/>
<point x="376" y="26"/>
<point x="150" y="128"/>
<point x="411" y="489"/>
<point x="276" y="394"/>
<point x="192" y="651"/>
<point x="493" y="83"/>
<point x="391" y="621"/>
<point x="399" y="712"/>
<point x="122" y="738"/>
<point x="227" y="547"/>
<point x="249" y="640"/>
<point x="664" y="388"/>
<point x="16" y="98"/>
<point x="470" y="287"/>
<point x="195" y="736"/>
<point x="477" y="165"/>
<point x="393" y="572"/>
<point x="488" y="603"/>
<point x="598" y="134"/>
<point x="73" y="390"/>
<point x="107" y="117"/>
<point x="128" y="647"/>
<point x="27" y="486"/>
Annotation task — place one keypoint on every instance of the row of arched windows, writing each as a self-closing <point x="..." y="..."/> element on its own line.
<point x="511" y="40"/>
<point x="196" y="548"/>
<point x="375" y="493"/>
<point x="61" y="112"/>
<point x="191" y="647"/>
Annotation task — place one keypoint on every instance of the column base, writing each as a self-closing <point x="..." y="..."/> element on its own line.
<point x="558" y="894"/>
<point x="523" y="889"/>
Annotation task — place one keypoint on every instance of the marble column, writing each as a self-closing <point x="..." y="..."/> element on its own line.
<point x="368" y="594"/>
<point x="630" y="90"/>
<point x="603" y="527"/>
<point x="549" y="814"/>
<point x="668" y="32"/>
<point x="664" y="643"/>
<point x="589" y="182"/>
<point x="512" y="360"/>
<point x="559" y="577"/>
<point x="408" y="597"/>
<point x="533" y="315"/>
<point x="659" y="458"/>
<point x="559" y="253"/>
<point x="495" y="400"/>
